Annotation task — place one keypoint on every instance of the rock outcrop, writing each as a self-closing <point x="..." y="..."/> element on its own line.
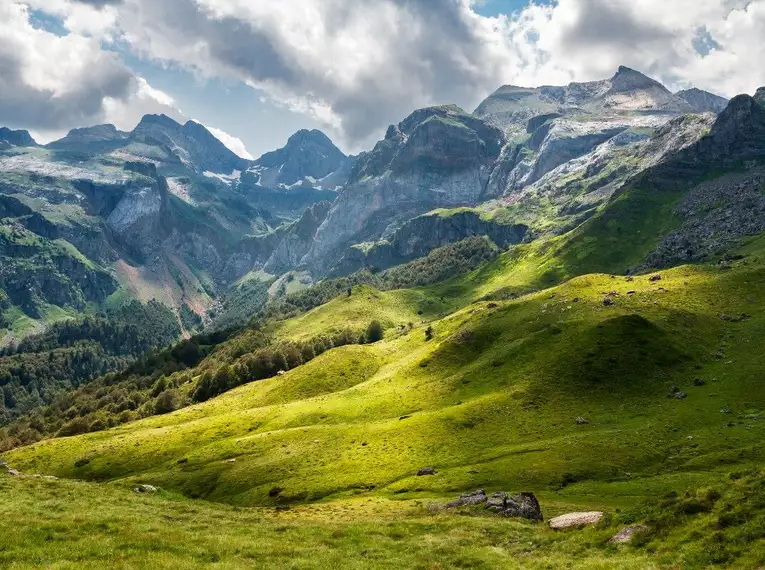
<point x="421" y="235"/>
<point x="521" y="505"/>
<point x="192" y="143"/>
<point x="309" y="158"/>
<point x="702" y="101"/>
<point x="16" y="138"/>
<point x="437" y="157"/>
<point x="576" y="520"/>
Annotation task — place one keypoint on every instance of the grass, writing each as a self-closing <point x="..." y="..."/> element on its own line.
<point x="520" y="349"/>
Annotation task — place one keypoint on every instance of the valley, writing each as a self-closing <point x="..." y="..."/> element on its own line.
<point x="561" y="293"/>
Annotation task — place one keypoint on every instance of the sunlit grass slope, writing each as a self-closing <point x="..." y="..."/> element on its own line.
<point x="491" y="401"/>
<point x="65" y="524"/>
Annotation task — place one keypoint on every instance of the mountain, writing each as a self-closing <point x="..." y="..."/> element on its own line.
<point x="15" y="138"/>
<point x="703" y="101"/>
<point x="101" y="216"/>
<point x="588" y="353"/>
<point x="192" y="143"/>
<point x="436" y="157"/>
<point x="309" y="158"/>
<point x="97" y="136"/>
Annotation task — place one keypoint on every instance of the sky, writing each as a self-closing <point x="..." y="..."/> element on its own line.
<point x="255" y="71"/>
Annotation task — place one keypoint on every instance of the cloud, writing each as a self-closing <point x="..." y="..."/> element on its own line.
<point x="357" y="66"/>
<point x="233" y="143"/>
<point x="52" y="83"/>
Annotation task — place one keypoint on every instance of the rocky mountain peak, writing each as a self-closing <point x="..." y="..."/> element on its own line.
<point x="192" y="143"/>
<point x="760" y="96"/>
<point x="627" y="79"/>
<point x="702" y="101"/>
<point x="90" y="135"/>
<point x="16" y="138"/>
<point x="308" y="155"/>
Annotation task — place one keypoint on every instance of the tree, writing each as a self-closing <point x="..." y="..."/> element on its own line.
<point x="374" y="332"/>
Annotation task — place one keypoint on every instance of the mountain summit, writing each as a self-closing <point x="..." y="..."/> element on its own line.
<point x="307" y="156"/>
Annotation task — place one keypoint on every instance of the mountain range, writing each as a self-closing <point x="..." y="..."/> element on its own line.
<point x="167" y="212"/>
<point x="522" y="337"/>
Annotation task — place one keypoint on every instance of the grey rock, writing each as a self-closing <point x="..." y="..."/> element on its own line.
<point x="627" y="534"/>
<point x="522" y="505"/>
<point x="582" y="421"/>
<point x="576" y="520"/>
<point x="309" y="158"/>
<point x="681" y="396"/>
<point x="702" y="101"/>
<point x="699" y="382"/>
<point x="16" y="138"/>
<point x="145" y="489"/>
<point x="425" y="471"/>
<point x="609" y="301"/>
<point x="14" y="472"/>
<point x="469" y="499"/>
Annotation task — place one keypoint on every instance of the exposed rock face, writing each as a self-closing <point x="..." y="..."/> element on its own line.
<point x="419" y="236"/>
<point x="16" y="138"/>
<point x="97" y="135"/>
<point x="192" y="143"/>
<point x="574" y="520"/>
<point x="309" y="158"/>
<point x="297" y="239"/>
<point x="628" y="91"/>
<point x="522" y="505"/>
<point x="703" y="101"/>
<point x="760" y="96"/>
<point x="436" y="157"/>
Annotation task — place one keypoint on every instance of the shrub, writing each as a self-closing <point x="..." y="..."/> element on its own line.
<point x="374" y="332"/>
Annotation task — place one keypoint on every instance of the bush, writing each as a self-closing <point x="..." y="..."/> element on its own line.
<point x="374" y="332"/>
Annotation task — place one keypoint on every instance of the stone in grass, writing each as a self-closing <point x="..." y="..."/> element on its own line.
<point x="626" y="534"/>
<point x="576" y="520"/>
<point x="522" y="505"/>
<point x="469" y="499"/>
<point x="681" y="396"/>
<point x="426" y="471"/>
<point x="582" y="421"/>
<point x="14" y="473"/>
<point x="699" y="382"/>
<point x="145" y="489"/>
<point x="655" y="278"/>
<point x="609" y="302"/>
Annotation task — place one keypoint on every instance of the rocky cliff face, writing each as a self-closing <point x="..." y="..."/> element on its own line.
<point x="437" y="157"/>
<point x="421" y="235"/>
<point x="703" y="101"/>
<point x="16" y="138"/>
<point x="194" y="145"/>
<point x="553" y="126"/>
<point x="309" y="159"/>
<point x="97" y="137"/>
<point x="297" y="239"/>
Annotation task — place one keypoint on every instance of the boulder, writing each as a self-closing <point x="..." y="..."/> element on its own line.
<point x="575" y="520"/>
<point x="145" y="489"/>
<point x="582" y="421"/>
<point x="609" y="302"/>
<point x="681" y="396"/>
<point x="522" y="505"/>
<point x="625" y="535"/>
<point x="469" y="499"/>
<point x="426" y="471"/>
<point x="655" y="278"/>
<point x="699" y="382"/>
<point x="14" y="473"/>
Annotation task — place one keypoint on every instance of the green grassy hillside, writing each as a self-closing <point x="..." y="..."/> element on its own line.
<point x="490" y="401"/>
